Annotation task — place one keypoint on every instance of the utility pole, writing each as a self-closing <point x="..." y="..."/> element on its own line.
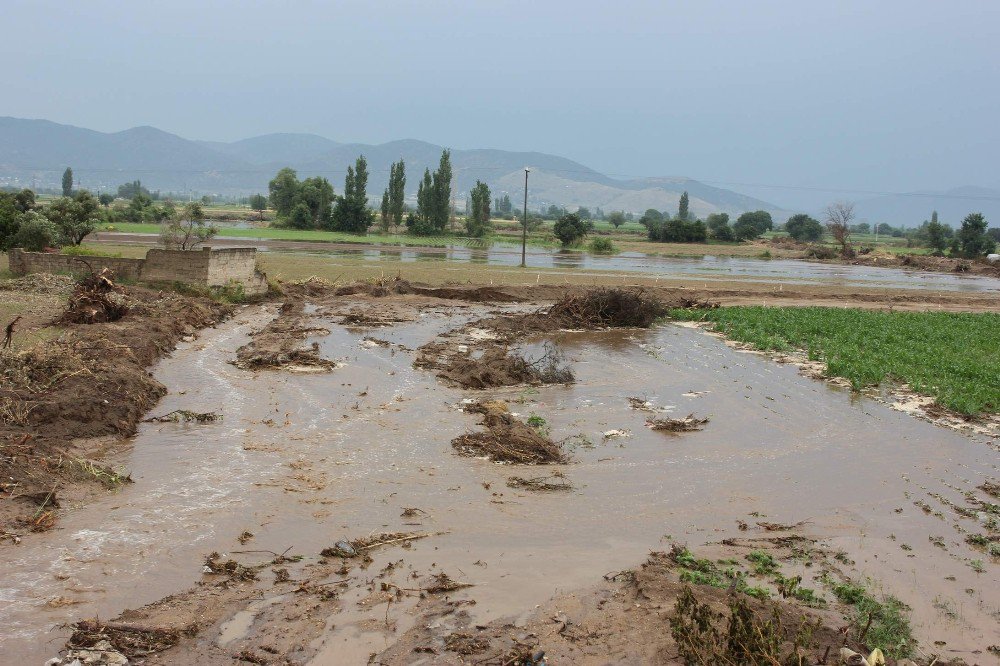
<point x="524" y="222"/>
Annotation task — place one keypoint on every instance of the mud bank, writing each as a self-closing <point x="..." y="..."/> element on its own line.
<point x="69" y="401"/>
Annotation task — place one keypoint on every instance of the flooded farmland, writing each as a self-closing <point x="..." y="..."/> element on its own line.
<point x="698" y="269"/>
<point x="303" y="460"/>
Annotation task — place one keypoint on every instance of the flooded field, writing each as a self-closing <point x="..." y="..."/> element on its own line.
<point x="303" y="460"/>
<point x="705" y="269"/>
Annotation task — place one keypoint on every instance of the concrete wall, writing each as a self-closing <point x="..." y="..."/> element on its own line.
<point x="208" y="267"/>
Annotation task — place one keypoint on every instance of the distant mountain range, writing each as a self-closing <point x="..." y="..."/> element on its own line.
<point x="913" y="208"/>
<point x="37" y="151"/>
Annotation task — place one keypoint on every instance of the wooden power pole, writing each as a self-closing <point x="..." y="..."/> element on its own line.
<point x="524" y="222"/>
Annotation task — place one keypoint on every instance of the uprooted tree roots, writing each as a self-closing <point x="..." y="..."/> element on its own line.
<point x="507" y="439"/>
<point x="605" y="308"/>
<point x="497" y="367"/>
<point x="96" y="299"/>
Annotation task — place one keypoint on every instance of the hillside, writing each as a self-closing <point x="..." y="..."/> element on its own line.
<point x="39" y="150"/>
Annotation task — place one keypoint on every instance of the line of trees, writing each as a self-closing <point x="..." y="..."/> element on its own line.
<point x="685" y="228"/>
<point x="433" y="200"/>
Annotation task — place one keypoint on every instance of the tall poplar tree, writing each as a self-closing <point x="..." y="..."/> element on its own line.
<point x="442" y="192"/>
<point x="397" y="191"/>
<point x="67" y="182"/>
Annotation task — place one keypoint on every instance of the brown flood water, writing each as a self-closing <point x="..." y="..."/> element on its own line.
<point x="303" y="460"/>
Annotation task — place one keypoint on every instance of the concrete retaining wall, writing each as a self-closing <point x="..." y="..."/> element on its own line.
<point x="207" y="267"/>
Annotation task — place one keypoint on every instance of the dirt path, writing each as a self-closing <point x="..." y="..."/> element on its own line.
<point x="302" y="460"/>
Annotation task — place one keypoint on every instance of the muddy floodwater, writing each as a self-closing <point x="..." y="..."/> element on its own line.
<point x="303" y="460"/>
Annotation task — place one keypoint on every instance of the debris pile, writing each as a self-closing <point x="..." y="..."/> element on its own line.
<point x="360" y="546"/>
<point x="554" y="482"/>
<point x="507" y="439"/>
<point x="250" y="357"/>
<point x="497" y="367"/>
<point x="214" y="564"/>
<point x="97" y="299"/>
<point x="689" y="423"/>
<point x="185" y="416"/>
<point x="442" y="583"/>
<point x="608" y="308"/>
<point x="277" y="346"/>
<point x="39" y="283"/>
<point x="116" y="642"/>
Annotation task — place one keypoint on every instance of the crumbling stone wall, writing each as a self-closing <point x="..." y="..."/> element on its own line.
<point x="22" y="262"/>
<point x="207" y="267"/>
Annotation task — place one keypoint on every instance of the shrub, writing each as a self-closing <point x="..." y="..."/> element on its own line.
<point x="570" y="229"/>
<point x="603" y="246"/>
<point x="801" y="227"/>
<point x="36" y="232"/>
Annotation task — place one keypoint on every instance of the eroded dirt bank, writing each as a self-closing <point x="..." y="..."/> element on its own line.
<point x="65" y="403"/>
<point x="348" y="522"/>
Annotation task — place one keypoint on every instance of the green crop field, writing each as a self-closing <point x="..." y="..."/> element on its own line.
<point x="954" y="357"/>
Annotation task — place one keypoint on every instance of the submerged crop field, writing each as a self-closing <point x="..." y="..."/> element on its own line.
<point x="954" y="357"/>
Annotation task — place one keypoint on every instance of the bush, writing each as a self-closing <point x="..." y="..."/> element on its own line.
<point x="419" y="225"/>
<point x="801" y="227"/>
<point x="80" y="251"/>
<point x="752" y="225"/>
<point x="570" y="229"/>
<point x="973" y="239"/>
<point x="678" y="231"/>
<point x="36" y="233"/>
<point x="821" y="252"/>
<point x="603" y="246"/>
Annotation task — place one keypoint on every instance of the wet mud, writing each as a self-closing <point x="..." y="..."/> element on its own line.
<point x="301" y="462"/>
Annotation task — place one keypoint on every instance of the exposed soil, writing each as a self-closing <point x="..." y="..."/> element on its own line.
<point x="627" y="619"/>
<point x="67" y="401"/>
<point x="280" y="344"/>
<point x="925" y="262"/>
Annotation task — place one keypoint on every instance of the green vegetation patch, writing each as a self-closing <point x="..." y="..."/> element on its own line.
<point x="954" y="357"/>
<point x="885" y="624"/>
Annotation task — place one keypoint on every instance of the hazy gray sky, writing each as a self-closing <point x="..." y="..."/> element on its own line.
<point x="866" y="95"/>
